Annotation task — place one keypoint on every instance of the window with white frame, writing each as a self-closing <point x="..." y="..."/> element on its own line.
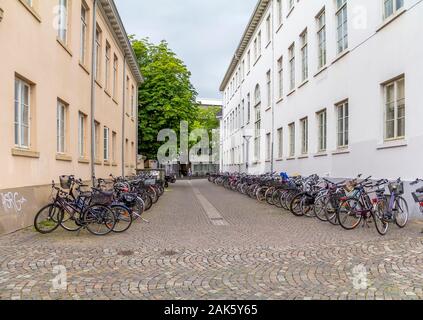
<point x="61" y="127"/>
<point x="268" y="29"/>
<point x="279" y="11"/>
<point x="280" y="78"/>
<point x="62" y="27"/>
<point x="259" y="43"/>
<point x="96" y="140"/>
<point x="390" y="7"/>
<point x="291" y="51"/>
<point x="291" y="139"/>
<point x="84" y="33"/>
<point x="115" y="75"/>
<point x="395" y="109"/>
<point x="257" y="135"/>
<point x="304" y="55"/>
<point x="269" y="88"/>
<point x="321" y="38"/>
<point x="243" y="69"/>
<point x="107" y="66"/>
<point x="322" y="131"/>
<point x="342" y="111"/>
<point x="82" y="118"/>
<point x="106" y="154"/>
<point x="98" y="40"/>
<point x="342" y="25"/>
<point x="243" y="113"/>
<point x="22" y="113"/>
<point x="255" y="49"/>
<point x="291" y="4"/>
<point x="248" y="61"/>
<point x="280" y="143"/>
<point x="304" y="136"/>
<point x="248" y="108"/>
<point x="268" y="146"/>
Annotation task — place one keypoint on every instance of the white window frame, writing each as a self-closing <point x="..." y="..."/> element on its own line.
<point x="342" y="118"/>
<point x="322" y="127"/>
<point x="106" y="140"/>
<point x="292" y="142"/>
<point x="280" y="143"/>
<point x="321" y="39"/>
<point x="84" y="33"/>
<point x="63" y="22"/>
<point x="398" y="103"/>
<point x="292" y="71"/>
<point x="304" y="136"/>
<point x="342" y="25"/>
<point x="397" y="5"/>
<point x="304" y="55"/>
<point x="20" y="107"/>
<point x="280" y="77"/>
<point x="61" y="127"/>
<point x="81" y="134"/>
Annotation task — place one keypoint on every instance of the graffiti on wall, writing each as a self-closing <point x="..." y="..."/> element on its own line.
<point x="12" y="201"/>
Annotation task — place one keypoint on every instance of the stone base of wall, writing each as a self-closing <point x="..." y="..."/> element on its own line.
<point x="18" y="207"/>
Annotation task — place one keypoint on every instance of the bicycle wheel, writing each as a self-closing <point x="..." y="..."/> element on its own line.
<point x="295" y="205"/>
<point x="276" y="198"/>
<point x="261" y="194"/>
<point x="70" y="221"/>
<point x="381" y="224"/>
<point x="123" y="218"/>
<point x="269" y="195"/>
<point x="137" y="209"/>
<point x="320" y="208"/>
<point x="307" y="207"/>
<point x="99" y="220"/>
<point x="331" y="209"/>
<point x="48" y="218"/>
<point x="350" y="213"/>
<point x="401" y="212"/>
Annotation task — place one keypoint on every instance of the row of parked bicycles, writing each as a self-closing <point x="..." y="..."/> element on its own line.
<point x="348" y="203"/>
<point x="109" y="206"/>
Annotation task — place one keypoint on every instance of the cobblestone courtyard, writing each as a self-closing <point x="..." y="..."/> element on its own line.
<point x="203" y="242"/>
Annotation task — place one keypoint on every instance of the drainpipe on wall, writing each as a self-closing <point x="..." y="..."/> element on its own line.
<point x="123" y="115"/>
<point x="136" y="128"/>
<point x="272" y="90"/>
<point x="93" y="68"/>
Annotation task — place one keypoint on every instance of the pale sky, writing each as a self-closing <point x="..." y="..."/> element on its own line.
<point x="203" y="33"/>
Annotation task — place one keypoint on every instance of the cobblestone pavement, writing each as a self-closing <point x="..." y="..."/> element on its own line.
<point x="259" y="252"/>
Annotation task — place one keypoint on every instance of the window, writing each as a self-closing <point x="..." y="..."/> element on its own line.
<point x="279" y="11"/>
<point x="22" y="113"/>
<point x="304" y="136"/>
<point x="292" y="66"/>
<point x="29" y="3"/>
<point x="304" y="55"/>
<point x="248" y="61"/>
<point x="106" y="144"/>
<point x="243" y="69"/>
<point x="115" y="75"/>
<point x="269" y="29"/>
<point x="269" y="88"/>
<point x="114" y="139"/>
<point x="82" y="118"/>
<point x="243" y="113"/>
<point x="61" y="127"/>
<point x="127" y="99"/>
<point x="395" y="109"/>
<point x="291" y="4"/>
<point x="322" y="131"/>
<point x="292" y="140"/>
<point x="98" y="53"/>
<point x="268" y="147"/>
<point x="259" y="43"/>
<point x="132" y="101"/>
<point x="280" y="78"/>
<point x="280" y="143"/>
<point x="343" y="124"/>
<point x="257" y="109"/>
<point x="248" y="108"/>
<point x="62" y="27"/>
<point x="321" y="38"/>
<point x="96" y="140"/>
<point x="342" y="25"/>
<point x="239" y="117"/>
<point x="107" y="66"/>
<point x="84" y="32"/>
<point x="390" y="7"/>
<point x="255" y="49"/>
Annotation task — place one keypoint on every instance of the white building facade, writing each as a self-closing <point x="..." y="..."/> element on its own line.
<point x="331" y="87"/>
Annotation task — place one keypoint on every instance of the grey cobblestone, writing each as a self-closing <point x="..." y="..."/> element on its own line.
<point x="263" y="253"/>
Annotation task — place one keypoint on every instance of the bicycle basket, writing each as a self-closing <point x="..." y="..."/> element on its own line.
<point x="129" y="199"/>
<point x="102" y="198"/>
<point x="65" y="182"/>
<point x="149" y="182"/>
<point x="396" y="188"/>
<point x="418" y="197"/>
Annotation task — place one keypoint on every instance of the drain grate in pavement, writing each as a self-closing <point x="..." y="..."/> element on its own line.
<point x="169" y="253"/>
<point x="126" y="253"/>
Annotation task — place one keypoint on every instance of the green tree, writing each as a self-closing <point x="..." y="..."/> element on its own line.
<point x="167" y="96"/>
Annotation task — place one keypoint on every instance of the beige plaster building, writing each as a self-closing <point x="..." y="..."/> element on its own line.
<point x="68" y="95"/>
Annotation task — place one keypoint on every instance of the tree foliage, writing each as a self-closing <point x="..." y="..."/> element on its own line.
<point x="167" y="96"/>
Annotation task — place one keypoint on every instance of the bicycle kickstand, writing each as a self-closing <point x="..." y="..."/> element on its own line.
<point x="145" y="220"/>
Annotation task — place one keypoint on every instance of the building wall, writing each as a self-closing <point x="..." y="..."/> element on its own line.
<point x="30" y="51"/>
<point x="377" y="52"/>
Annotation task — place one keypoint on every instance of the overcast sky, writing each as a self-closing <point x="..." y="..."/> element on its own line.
<point x="203" y="33"/>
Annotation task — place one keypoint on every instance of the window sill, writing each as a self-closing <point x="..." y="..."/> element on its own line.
<point x="108" y="93"/>
<point x="279" y="101"/>
<point x="98" y="162"/>
<point x="341" y="151"/>
<point x="268" y="109"/>
<point x="303" y="84"/>
<point x="391" y="144"/>
<point x="321" y="154"/>
<point x="114" y="100"/>
<point x="64" y="46"/>
<point x="268" y="44"/>
<point x="114" y="164"/>
<point x="127" y="114"/>
<point x="84" y="67"/>
<point x="98" y="84"/>
<point x="83" y="160"/>
<point x="290" y="11"/>
<point x="18" y="152"/>
<point x="341" y="55"/>
<point x="31" y="10"/>
<point x="257" y="60"/>
<point x="321" y="70"/>
<point x="63" y="157"/>
<point x="291" y="93"/>
<point x="107" y="163"/>
<point x="280" y="27"/>
<point x="132" y="119"/>
<point x="390" y="19"/>
<point x="304" y="156"/>
<point x="291" y="159"/>
<point x="279" y="160"/>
